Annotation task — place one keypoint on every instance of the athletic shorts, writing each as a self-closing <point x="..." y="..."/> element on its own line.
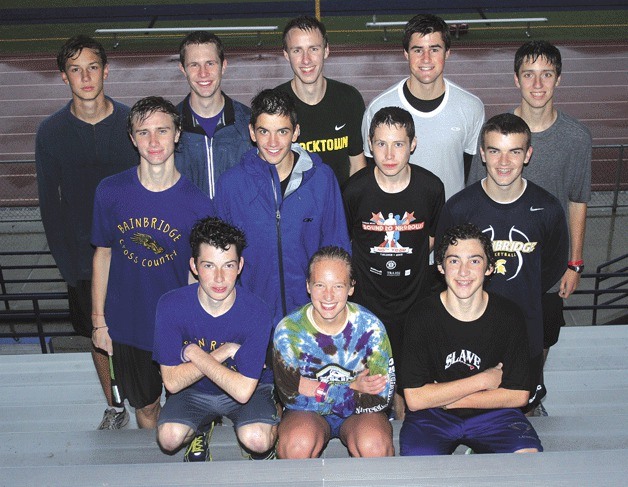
<point x="335" y="423"/>
<point x="439" y="432"/>
<point x="198" y="409"/>
<point x="80" y="301"/>
<point x="553" y="318"/>
<point x="137" y="375"/>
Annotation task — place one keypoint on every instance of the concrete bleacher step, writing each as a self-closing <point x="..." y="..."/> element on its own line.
<point x="79" y="407"/>
<point x="581" y="468"/>
<point x="86" y="416"/>
<point x="133" y="446"/>
<point x="587" y="347"/>
<point x="51" y="404"/>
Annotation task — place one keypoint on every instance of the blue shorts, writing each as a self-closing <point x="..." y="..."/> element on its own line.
<point x="197" y="409"/>
<point x="335" y="423"/>
<point x="438" y="432"/>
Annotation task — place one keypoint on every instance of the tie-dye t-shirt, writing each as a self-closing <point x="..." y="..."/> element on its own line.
<point x="301" y="349"/>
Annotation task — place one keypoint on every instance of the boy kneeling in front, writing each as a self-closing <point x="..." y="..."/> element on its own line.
<point x="465" y="360"/>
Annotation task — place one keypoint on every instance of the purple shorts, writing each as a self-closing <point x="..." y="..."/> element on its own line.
<point x="438" y="432"/>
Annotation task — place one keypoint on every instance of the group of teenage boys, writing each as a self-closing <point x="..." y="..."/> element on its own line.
<point x="221" y="265"/>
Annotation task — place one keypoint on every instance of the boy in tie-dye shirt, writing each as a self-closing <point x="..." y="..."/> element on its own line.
<point x="333" y="368"/>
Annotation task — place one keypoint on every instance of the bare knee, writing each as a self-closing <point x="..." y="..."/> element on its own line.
<point x="372" y="446"/>
<point x="527" y="450"/>
<point x="257" y="437"/>
<point x="294" y="445"/>
<point x="302" y="435"/>
<point x="368" y="436"/>
<point x="171" y="436"/>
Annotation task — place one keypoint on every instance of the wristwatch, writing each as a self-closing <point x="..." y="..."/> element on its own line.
<point x="576" y="266"/>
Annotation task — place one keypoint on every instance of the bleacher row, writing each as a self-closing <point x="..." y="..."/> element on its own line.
<point x="218" y="10"/>
<point x="50" y="405"/>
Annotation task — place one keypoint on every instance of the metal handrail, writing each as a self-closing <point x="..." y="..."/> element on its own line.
<point x="601" y="277"/>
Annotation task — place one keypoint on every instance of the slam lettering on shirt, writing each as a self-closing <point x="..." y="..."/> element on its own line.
<point x="140" y="241"/>
<point x="465" y="357"/>
<point x="326" y="145"/>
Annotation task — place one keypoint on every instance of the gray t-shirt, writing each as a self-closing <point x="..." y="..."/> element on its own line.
<point x="560" y="162"/>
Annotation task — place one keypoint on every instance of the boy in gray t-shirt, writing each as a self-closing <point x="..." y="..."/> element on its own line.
<point x="560" y="164"/>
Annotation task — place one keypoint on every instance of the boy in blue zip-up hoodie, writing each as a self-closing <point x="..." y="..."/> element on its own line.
<point x="286" y="200"/>
<point x="215" y="132"/>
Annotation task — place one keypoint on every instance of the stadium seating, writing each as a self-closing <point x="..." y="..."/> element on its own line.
<point x="50" y="405"/>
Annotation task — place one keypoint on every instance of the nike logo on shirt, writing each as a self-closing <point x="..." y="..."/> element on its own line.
<point x="338" y="128"/>
<point x="532" y="208"/>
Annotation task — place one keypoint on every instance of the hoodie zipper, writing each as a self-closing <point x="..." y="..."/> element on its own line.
<point x="279" y="249"/>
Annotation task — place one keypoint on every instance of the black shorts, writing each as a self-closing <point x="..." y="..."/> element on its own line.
<point x="137" y="375"/>
<point x="80" y="301"/>
<point x="553" y="318"/>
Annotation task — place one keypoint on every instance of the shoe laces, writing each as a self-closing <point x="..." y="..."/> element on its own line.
<point x="197" y="444"/>
<point x="108" y="419"/>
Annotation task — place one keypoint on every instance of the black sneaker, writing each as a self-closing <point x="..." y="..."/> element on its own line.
<point x="198" y="449"/>
<point x="113" y="420"/>
<point x="269" y="455"/>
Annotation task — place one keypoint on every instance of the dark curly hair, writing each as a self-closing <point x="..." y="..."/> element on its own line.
<point x="217" y="233"/>
<point x="466" y="231"/>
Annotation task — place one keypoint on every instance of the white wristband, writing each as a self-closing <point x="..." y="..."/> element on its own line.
<point x="183" y="359"/>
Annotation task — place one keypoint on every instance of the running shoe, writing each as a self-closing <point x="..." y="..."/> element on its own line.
<point x="113" y="420"/>
<point x="198" y="449"/>
<point x="269" y="455"/>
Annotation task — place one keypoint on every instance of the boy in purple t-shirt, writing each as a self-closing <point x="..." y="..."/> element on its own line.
<point x="142" y="219"/>
<point x="210" y="341"/>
